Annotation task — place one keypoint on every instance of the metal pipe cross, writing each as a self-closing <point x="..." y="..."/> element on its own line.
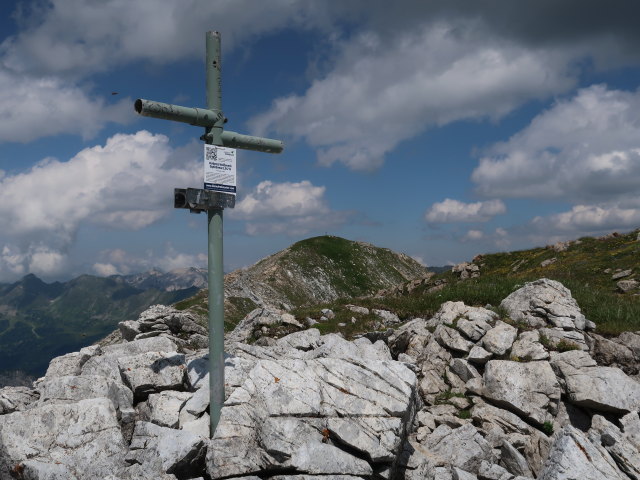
<point x="196" y="200"/>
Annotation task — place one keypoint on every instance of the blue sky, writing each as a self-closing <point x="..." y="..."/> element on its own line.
<point x="441" y="129"/>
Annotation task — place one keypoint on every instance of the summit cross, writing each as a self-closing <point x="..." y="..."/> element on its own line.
<point x="213" y="201"/>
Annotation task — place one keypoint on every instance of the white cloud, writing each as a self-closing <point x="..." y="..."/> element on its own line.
<point x="124" y="184"/>
<point x="383" y="90"/>
<point x="583" y="149"/>
<point x="589" y="219"/>
<point x="285" y="199"/>
<point x="74" y="37"/>
<point x="474" y="235"/>
<point x="450" y="211"/>
<point x="105" y="269"/>
<point x="120" y="262"/>
<point x="39" y="107"/>
<point x="293" y="208"/>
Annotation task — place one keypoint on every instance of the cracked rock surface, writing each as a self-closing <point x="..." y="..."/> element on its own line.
<point x="465" y="395"/>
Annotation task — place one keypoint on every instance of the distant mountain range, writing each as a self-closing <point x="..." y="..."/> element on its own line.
<point x="39" y="320"/>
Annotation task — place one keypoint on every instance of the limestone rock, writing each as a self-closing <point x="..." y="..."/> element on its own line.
<point x="500" y="338"/>
<point x="153" y="372"/>
<point x="410" y="338"/>
<point x="621" y="274"/>
<point x="558" y="337"/>
<point x="303" y="340"/>
<point x="627" y="285"/>
<point x="106" y="362"/>
<point x="388" y="318"/>
<point x="69" y="389"/>
<point x="365" y="405"/>
<point x="16" y="399"/>
<point x="473" y="329"/>
<point x="528" y="347"/>
<point x="164" y="407"/>
<point x="594" y="387"/>
<point x="464" y="369"/>
<point x="451" y="339"/>
<point x="479" y="355"/>
<point x="625" y="453"/>
<point x="631" y="340"/>
<point x="71" y="363"/>
<point x="434" y="362"/>
<point x="451" y="311"/>
<point x="163" y="449"/>
<point x="463" y="447"/>
<point x="357" y="309"/>
<point x="573" y="456"/>
<point x="611" y="353"/>
<point x="84" y="437"/>
<point x="544" y="301"/>
<point x="529" y="389"/>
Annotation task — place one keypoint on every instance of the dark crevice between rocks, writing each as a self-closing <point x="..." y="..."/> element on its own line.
<point x="193" y="465"/>
<point x="519" y="413"/>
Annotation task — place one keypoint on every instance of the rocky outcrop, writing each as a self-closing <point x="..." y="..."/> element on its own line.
<point x="545" y="302"/>
<point x="462" y="395"/>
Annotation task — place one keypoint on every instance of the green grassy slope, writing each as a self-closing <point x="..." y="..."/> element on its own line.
<point x="585" y="267"/>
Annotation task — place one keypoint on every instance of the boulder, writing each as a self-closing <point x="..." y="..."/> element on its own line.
<point x="166" y="450"/>
<point x="409" y="338"/>
<point x="630" y="340"/>
<point x="563" y="339"/>
<point x="528" y="347"/>
<point x="14" y="399"/>
<point x="152" y="372"/>
<point x="627" y="285"/>
<point x="82" y="437"/>
<point x="462" y="447"/>
<point x="388" y="318"/>
<point x="499" y="339"/>
<point x="612" y="353"/>
<point x="70" y="389"/>
<point x="625" y="453"/>
<point x="164" y="407"/>
<point x="106" y="362"/>
<point x="529" y="389"/>
<point x="71" y="363"/>
<point x="544" y="302"/>
<point x="332" y="407"/>
<point x="479" y="355"/>
<point x="451" y="339"/>
<point x="474" y="330"/>
<point x="573" y="456"/>
<point x="594" y="387"/>
<point x="449" y="312"/>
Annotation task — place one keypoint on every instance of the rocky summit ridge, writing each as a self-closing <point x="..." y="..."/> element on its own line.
<point x="530" y="392"/>
<point x="311" y="271"/>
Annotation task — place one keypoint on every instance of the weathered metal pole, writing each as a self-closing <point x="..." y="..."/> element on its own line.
<point x="215" y="239"/>
<point x="213" y="198"/>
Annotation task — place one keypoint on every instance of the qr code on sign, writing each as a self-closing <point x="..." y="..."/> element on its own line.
<point x="211" y="153"/>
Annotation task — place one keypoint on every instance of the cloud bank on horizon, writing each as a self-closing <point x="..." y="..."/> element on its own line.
<point x="541" y="98"/>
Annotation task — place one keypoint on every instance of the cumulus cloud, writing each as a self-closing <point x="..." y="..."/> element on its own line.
<point x="586" y="148"/>
<point x="124" y="184"/>
<point x="41" y="107"/>
<point x="120" y="262"/>
<point x="474" y="235"/>
<point x="81" y="36"/>
<point x="589" y="219"/>
<point x="450" y="211"/>
<point x="293" y="208"/>
<point x="383" y="90"/>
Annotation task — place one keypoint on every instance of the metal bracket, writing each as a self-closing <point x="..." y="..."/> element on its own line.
<point x="199" y="200"/>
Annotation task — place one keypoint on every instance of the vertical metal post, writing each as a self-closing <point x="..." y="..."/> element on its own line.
<point x="215" y="260"/>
